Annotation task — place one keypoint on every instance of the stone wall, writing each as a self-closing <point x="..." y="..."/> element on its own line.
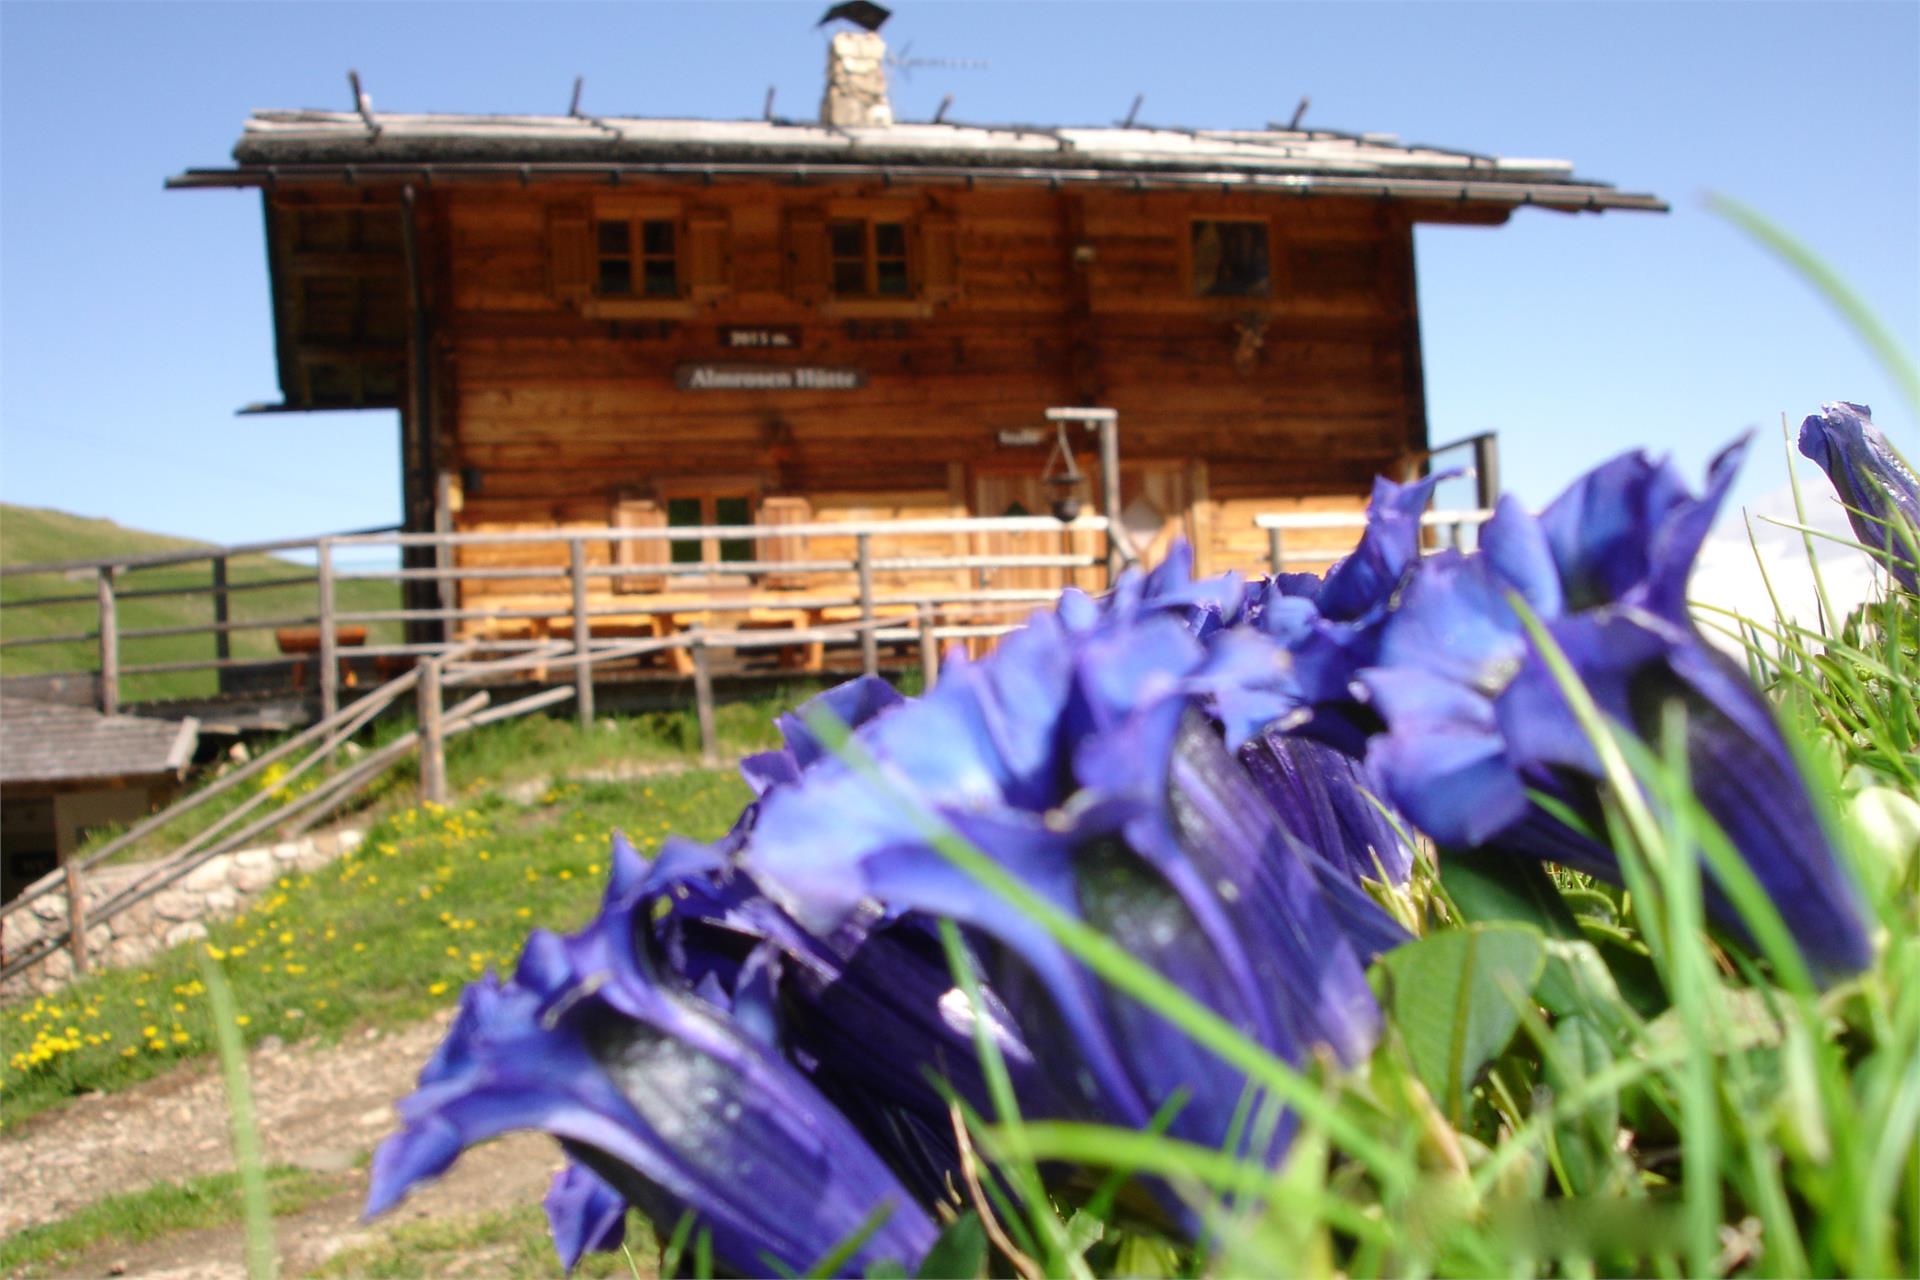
<point x="217" y="887"/>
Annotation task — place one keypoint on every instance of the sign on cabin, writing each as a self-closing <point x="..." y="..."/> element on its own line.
<point x="767" y="377"/>
<point x="737" y="337"/>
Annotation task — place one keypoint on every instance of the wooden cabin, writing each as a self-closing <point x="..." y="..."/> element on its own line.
<point x="610" y="322"/>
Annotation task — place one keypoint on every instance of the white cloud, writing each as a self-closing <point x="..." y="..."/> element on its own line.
<point x="1728" y="574"/>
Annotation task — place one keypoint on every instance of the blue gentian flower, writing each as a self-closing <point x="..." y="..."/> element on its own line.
<point x="1326" y="800"/>
<point x="1879" y="490"/>
<point x="1330" y="628"/>
<point x="1082" y="757"/>
<point x="1474" y="721"/>
<point x="584" y="1214"/>
<point x="868" y="1011"/>
<point x="668" y="1102"/>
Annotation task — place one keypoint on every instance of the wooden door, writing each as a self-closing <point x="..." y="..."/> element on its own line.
<point x="1019" y="493"/>
<point x="1155" y="498"/>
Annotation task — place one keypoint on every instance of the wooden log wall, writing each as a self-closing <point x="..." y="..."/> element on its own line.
<point x="548" y="408"/>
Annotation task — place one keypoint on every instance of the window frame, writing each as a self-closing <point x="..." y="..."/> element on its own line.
<point x="709" y="492"/>
<point x="702" y="256"/>
<point x="871" y="257"/>
<point x="928" y="255"/>
<point x="637" y="256"/>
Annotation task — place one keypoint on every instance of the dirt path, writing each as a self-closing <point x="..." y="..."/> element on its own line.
<point x="321" y="1107"/>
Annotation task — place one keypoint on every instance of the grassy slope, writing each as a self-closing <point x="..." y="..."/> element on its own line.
<point x="33" y="534"/>
<point x="162" y="1209"/>
<point x="392" y="933"/>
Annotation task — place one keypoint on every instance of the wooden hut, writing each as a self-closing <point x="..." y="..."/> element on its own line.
<point x="612" y="322"/>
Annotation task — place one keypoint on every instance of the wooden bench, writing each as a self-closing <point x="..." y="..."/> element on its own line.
<point x="622" y="626"/>
<point x="808" y="655"/>
<point x="300" y="641"/>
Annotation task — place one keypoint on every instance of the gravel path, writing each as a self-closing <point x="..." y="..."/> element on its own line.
<point x="320" y="1107"/>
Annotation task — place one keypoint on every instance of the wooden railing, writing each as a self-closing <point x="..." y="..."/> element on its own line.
<point x="858" y="592"/>
<point x="1448" y="529"/>
<point x="290" y="813"/>
<point x="874" y="597"/>
<point x="439" y="671"/>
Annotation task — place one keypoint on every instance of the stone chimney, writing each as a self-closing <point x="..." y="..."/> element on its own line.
<point x="856" y="93"/>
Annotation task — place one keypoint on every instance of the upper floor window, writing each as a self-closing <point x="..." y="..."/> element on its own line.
<point x="1230" y="258"/>
<point x="869" y="258"/>
<point x="637" y="258"/>
<point x="631" y="258"/>
<point x="873" y="257"/>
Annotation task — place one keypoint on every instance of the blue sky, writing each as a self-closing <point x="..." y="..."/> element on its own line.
<point x="133" y="321"/>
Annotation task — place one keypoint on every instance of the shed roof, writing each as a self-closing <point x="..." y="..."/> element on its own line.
<point x="322" y="145"/>
<point x="51" y="742"/>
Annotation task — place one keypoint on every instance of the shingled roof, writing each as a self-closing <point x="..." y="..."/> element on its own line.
<point x="347" y="146"/>
<point x="49" y="742"/>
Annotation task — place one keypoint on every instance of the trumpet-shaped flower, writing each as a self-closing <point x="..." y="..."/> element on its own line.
<point x="868" y="1010"/>
<point x="1475" y="724"/>
<point x="668" y="1102"/>
<point x="1081" y="758"/>
<point x="1879" y="490"/>
<point x="584" y="1214"/>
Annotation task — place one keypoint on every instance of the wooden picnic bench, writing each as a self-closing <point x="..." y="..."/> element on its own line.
<point x="300" y="641"/>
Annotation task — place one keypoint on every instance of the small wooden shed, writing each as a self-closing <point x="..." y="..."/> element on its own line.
<point x="66" y="771"/>
<point x="602" y="322"/>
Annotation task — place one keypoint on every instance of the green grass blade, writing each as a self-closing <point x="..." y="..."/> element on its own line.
<point x="1121" y="970"/>
<point x="836" y="1258"/>
<point x="256" y="1210"/>
<point x="1839" y="295"/>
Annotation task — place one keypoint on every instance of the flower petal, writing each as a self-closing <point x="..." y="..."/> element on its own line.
<point x="584" y="1215"/>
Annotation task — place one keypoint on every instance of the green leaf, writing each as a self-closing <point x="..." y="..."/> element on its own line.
<point x="1490" y="887"/>
<point x="1146" y="1258"/>
<point x="1576" y="981"/>
<point x="960" y="1253"/>
<point x="1885" y="824"/>
<point x="1585" y="1140"/>
<point x="1084" y="1230"/>
<point x="1452" y="995"/>
<point x="1748" y="1020"/>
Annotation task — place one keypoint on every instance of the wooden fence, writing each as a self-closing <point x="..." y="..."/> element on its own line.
<point x="434" y="672"/>
<point x="842" y="603"/>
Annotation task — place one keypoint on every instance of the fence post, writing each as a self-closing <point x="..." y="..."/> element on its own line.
<point x="582" y="673"/>
<point x="433" y="744"/>
<point x="1486" y="470"/>
<point x="1276" y="556"/>
<point x="76" y="917"/>
<point x="109" y="645"/>
<point x="929" y="649"/>
<point x="1108" y="426"/>
<point x="869" y="643"/>
<point x="329" y="675"/>
<point x="703" y="700"/>
<point x="222" y="639"/>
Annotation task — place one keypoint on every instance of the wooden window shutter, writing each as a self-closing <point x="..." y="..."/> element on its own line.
<point x="939" y="258"/>
<point x="776" y="549"/>
<point x="807" y="263"/>
<point x="631" y="512"/>
<point x="570" y="265"/>
<point x="708" y="268"/>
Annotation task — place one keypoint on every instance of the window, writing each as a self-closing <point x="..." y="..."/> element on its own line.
<point x="622" y="258"/>
<point x="638" y="258"/>
<point x="869" y="258"/>
<point x="873" y="258"/>
<point x="1230" y="259"/>
<point x="692" y="511"/>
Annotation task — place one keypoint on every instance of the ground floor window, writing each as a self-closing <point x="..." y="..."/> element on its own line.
<point x="692" y="511"/>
